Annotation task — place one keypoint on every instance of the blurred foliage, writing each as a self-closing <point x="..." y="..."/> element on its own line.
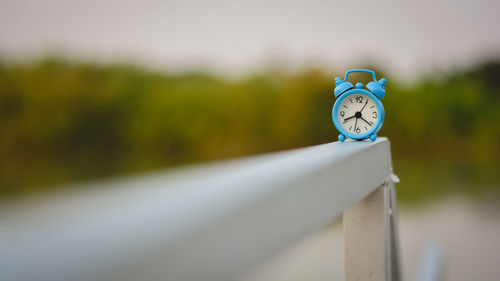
<point x="63" y="122"/>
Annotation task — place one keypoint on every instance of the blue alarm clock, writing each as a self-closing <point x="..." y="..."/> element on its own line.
<point x="358" y="113"/>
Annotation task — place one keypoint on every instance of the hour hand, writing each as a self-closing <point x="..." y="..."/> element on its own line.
<point x="347" y="119"/>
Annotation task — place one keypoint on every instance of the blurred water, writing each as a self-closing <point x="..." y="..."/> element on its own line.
<point x="469" y="234"/>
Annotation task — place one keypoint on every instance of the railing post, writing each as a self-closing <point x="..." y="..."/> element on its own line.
<point x="370" y="237"/>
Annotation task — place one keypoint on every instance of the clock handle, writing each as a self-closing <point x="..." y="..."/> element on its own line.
<point x="361" y="70"/>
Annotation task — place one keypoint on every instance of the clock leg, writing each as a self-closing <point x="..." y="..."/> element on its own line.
<point x="341" y="138"/>
<point x="373" y="137"/>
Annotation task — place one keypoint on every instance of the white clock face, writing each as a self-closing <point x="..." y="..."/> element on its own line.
<point x="357" y="114"/>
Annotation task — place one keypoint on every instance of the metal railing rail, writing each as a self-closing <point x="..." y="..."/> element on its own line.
<point x="211" y="222"/>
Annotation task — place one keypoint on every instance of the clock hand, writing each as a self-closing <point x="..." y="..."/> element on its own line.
<point x="345" y="120"/>
<point x="369" y="123"/>
<point x="364" y="106"/>
<point x="355" y="124"/>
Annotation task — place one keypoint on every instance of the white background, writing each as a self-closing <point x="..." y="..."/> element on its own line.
<point x="405" y="38"/>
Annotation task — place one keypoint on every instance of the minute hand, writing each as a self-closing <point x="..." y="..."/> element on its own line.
<point x="364" y="106"/>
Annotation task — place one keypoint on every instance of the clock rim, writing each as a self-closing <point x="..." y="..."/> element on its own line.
<point x="377" y="126"/>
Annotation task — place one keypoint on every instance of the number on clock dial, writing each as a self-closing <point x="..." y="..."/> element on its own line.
<point x="359" y="123"/>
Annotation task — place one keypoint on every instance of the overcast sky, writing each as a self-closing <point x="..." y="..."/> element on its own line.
<point x="406" y="38"/>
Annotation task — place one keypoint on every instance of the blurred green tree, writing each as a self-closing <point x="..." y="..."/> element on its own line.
<point x="62" y="122"/>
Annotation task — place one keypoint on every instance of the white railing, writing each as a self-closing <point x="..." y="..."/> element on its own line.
<point x="211" y="222"/>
